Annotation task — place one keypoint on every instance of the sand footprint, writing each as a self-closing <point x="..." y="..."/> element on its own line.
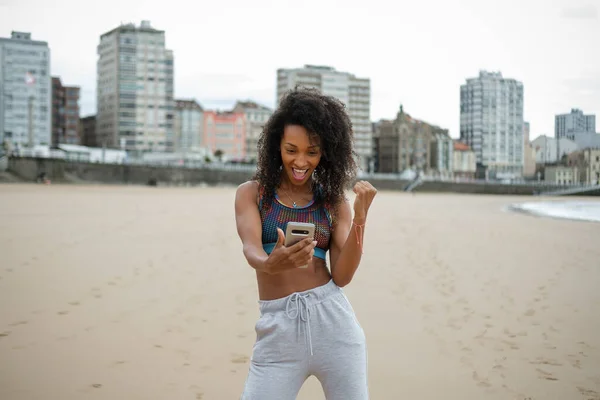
<point x="574" y="360"/>
<point x="545" y="375"/>
<point x="4" y="334"/>
<point x="481" y="381"/>
<point x="509" y="333"/>
<point x="591" y="394"/>
<point x="239" y="359"/>
<point x="116" y="363"/>
<point x="546" y="361"/>
<point x="585" y="345"/>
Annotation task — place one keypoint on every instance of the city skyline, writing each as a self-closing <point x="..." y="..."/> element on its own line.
<point x="550" y="48"/>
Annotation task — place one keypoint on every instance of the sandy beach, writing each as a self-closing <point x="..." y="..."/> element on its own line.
<point x="115" y="292"/>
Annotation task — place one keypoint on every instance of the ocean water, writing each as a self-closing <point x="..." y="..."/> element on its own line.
<point x="573" y="210"/>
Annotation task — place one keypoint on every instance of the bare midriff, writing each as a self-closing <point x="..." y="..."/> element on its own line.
<point x="276" y="286"/>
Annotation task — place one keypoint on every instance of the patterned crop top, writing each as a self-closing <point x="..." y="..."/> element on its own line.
<point x="274" y="214"/>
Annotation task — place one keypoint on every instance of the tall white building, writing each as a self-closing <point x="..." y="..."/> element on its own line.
<point x="354" y="92"/>
<point x="567" y="125"/>
<point x="188" y="126"/>
<point x="491" y="122"/>
<point x="135" y="104"/>
<point x="577" y="127"/>
<point x="25" y="91"/>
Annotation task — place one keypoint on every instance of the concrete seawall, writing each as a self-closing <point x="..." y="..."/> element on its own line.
<point x="62" y="171"/>
<point x="479" y="188"/>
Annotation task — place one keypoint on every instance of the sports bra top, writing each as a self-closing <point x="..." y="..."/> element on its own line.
<point x="274" y="214"/>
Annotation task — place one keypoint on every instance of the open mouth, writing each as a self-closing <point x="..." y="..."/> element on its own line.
<point x="299" y="174"/>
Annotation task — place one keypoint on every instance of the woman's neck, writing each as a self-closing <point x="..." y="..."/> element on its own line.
<point x="285" y="184"/>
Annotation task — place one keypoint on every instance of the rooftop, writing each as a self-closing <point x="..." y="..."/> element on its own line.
<point x="22" y="37"/>
<point x="460" y="146"/>
<point x="144" y="26"/>
<point x="187" y="104"/>
<point x="249" y="104"/>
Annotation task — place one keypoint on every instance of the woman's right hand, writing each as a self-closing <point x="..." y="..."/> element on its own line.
<point x="285" y="258"/>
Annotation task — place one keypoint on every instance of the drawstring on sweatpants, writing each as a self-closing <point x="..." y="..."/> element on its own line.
<point x="301" y="311"/>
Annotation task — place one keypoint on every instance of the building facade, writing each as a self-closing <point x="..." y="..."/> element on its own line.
<point x="188" y="126"/>
<point x="587" y="162"/>
<point x="464" y="161"/>
<point x="416" y="138"/>
<point x="442" y="154"/>
<point x="587" y="140"/>
<point x="491" y="122"/>
<point x="225" y="133"/>
<point x="354" y="92"/>
<point x="135" y="104"/>
<point x="529" y="153"/>
<point x="577" y="127"/>
<point x="548" y="150"/>
<point x="87" y="131"/>
<point x="407" y="143"/>
<point x="25" y="91"/>
<point x="561" y="175"/>
<point x="386" y="143"/>
<point x="65" y="113"/>
<point x="256" y="116"/>
<point x="568" y="125"/>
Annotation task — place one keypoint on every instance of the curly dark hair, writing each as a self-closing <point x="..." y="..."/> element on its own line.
<point x="324" y="117"/>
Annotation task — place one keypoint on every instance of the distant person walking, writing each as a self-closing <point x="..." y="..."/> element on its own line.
<point x="307" y="325"/>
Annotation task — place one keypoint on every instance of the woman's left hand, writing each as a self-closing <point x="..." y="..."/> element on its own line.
<point x="365" y="193"/>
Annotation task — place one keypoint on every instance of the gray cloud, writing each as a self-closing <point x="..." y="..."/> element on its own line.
<point x="588" y="11"/>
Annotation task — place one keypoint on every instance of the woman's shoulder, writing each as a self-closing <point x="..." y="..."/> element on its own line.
<point x="249" y="189"/>
<point x="251" y="185"/>
<point x="252" y="189"/>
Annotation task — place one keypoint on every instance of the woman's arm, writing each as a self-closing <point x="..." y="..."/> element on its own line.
<point x="345" y="253"/>
<point x="248" y="224"/>
<point x="346" y="245"/>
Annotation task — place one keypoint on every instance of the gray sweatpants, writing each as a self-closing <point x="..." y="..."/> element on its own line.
<point x="308" y="333"/>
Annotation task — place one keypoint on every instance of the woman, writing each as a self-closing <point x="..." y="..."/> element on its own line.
<point x="306" y="325"/>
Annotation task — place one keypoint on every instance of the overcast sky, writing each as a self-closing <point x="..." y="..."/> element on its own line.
<point x="417" y="53"/>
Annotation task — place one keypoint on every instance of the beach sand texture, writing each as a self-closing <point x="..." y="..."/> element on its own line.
<point x="115" y="292"/>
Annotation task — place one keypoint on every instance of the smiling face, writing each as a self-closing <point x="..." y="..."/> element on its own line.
<point x="300" y="154"/>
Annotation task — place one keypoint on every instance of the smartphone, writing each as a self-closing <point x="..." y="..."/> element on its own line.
<point x="296" y="231"/>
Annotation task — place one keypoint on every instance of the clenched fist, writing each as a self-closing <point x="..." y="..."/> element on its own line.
<point x="365" y="193"/>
